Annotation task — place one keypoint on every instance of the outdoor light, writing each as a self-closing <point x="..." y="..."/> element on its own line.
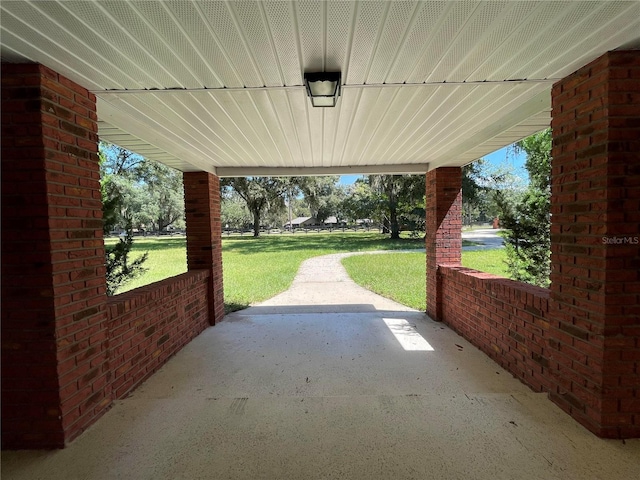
<point x="323" y="88"/>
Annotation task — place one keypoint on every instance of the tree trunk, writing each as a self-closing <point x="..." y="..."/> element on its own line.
<point x="393" y="221"/>
<point x="256" y="223"/>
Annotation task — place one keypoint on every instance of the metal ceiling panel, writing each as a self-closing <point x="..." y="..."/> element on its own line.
<point x="206" y="85"/>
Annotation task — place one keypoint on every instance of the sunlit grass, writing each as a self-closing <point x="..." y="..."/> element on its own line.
<point x="255" y="269"/>
<point x="398" y="276"/>
<point x="167" y="258"/>
<point x="490" y="261"/>
<point x="402" y="276"/>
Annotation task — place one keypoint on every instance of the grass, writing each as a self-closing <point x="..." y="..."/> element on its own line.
<point x="402" y="276"/>
<point x="167" y="258"/>
<point x="398" y="276"/>
<point x="255" y="269"/>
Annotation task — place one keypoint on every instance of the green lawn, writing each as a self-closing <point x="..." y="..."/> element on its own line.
<point x="258" y="268"/>
<point x="402" y="276"/>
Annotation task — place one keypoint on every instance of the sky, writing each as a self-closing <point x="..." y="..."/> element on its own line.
<point x="503" y="157"/>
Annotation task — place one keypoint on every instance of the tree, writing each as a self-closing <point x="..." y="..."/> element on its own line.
<point x="151" y="194"/>
<point x="398" y="195"/>
<point x="163" y="195"/>
<point x="527" y="220"/>
<point x="234" y="212"/>
<point x="119" y="269"/>
<point x="259" y="194"/>
<point x="322" y="194"/>
<point x="474" y="185"/>
<point x="360" y="202"/>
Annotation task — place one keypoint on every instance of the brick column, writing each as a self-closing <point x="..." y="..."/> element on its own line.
<point x="443" y="230"/>
<point x="204" y="234"/>
<point x="595" y="231"/>
<point x="54" y="333"/>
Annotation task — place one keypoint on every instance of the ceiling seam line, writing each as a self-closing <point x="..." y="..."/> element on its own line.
<point x="190" y="40"/>
<point x="194" y="141"/>
<point x="38" y="50"/>
<point x="437" y="28"/>
<point x="296" y="26"/>
<point x="515" y="99"/>
<point x="162" y="40"/>
<point x="245" y="43"/>
<point x="453" y="41"/>
<point x="595" y="32"/>
<point x="33" y="5"/>
<point x="295" y="126"/>
<point x="231" y="151"/>
<point x="375" y="130"/>
<point x="242" y="134"/>
<point x="347" y="86"/>
<point x="491" y="119"/>
<point x="136" y="41"/>
<point x="442" y="102"/>
<point x="274" y="50"/>
<point x="218" y="43"/>
<point x="399" y="117"/>
<point x="134" y="120"/>
<point x="376" y="46"/>
<point x="350" y="126"/>
<point x="415" y="145"/>
<point x="407" y="32"/>
<point x="347" y="54"/>
<point x="527" y="18"/>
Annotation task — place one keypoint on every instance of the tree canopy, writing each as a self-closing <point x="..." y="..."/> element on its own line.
<point x="526" y="219"/>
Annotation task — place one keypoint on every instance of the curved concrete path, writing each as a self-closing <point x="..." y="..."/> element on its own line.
<point x="322" y="285"/>
<point x="330" y="381"/>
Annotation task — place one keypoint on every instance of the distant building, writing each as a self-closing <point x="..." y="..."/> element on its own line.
<point x="303" y="222"/>
<point x="333" y="222"/>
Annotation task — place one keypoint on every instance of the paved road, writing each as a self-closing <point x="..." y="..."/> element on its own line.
<point x="487" y="236"/>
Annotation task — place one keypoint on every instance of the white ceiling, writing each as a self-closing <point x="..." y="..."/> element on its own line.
<point x="217" y="86"/>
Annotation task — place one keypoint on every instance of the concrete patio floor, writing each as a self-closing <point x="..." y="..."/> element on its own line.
<point x="329" y="380"/>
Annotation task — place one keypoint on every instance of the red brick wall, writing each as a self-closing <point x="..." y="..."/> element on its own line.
<point x="505" y="319"/>
<point x="595" y="322"/>
<point x="54" y="371"/>
<point x="443" y="229"/>
<point x="67" y="351"/>
<point x="150" y="324"/>
<point x="204" y="234"/>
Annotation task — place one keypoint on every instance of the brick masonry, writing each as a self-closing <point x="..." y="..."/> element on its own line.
<point x="444" y="230"/>
<point x="55" y="377"/>
<point x="67" y="350"/>
<point x="505" y="319"/>
<point x="150" y="324"/>
<point x="594" y="331"/>
<point x="204" y="234"/>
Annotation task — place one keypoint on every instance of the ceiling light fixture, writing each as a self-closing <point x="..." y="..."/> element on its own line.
<point x="323" y="88"/>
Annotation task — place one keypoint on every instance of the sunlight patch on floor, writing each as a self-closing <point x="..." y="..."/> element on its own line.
<point x="407" y="335"/>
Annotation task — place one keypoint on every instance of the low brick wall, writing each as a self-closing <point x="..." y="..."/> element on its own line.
<point x="505" y="319"/>
<point x="148" y="325"/>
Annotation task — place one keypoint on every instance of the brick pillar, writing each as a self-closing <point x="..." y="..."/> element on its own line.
<point x="594" y="334"/>
<point x="444" y="230"/>
<point x="54" y="337"/>
<point x="204" y="234"/>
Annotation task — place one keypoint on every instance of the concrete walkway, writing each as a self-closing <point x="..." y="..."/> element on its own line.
<point x="330" y="381"/>
<point x="487" y="236"/>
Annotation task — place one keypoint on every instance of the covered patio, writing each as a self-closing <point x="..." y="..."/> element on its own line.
<point x="328" y="380"/>
<point x="216" y="89"/>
